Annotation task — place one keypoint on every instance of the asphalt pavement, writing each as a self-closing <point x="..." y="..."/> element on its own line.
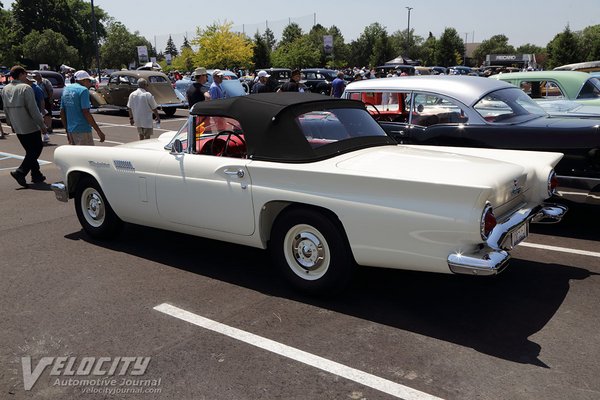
<point x="215" y="322"/>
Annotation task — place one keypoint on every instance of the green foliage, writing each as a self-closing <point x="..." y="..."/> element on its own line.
<point x="590" y="43"/>
<point x="171" y="48"/>
<point x="269" y="38"/>
<point x="9" y="49"/>
<point x="428" y="50"/>
<point x="72" y="18"/>
<point x="262" y="54"/>
<point x="48" y="47"/>
<point x="372" y="47"/>
<point x="186" y="44"/>
<point x="448" y="47"/>
<point x="563" y="49"/>
<point x="290" y="34"/>
<point x="185" y="60"/>
<point x="300" y="53"/>
<point x="219" y="47"/>
<point x="529" y="48"/>
<point x="120" y="46"/>
<point x="497" y="44"/>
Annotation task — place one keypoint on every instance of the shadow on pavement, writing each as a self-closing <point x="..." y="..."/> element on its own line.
<point x="581" y="222"/>
<point x="493" y="315"/>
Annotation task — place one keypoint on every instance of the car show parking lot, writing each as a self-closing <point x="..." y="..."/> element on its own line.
<point x="216" y="322"/>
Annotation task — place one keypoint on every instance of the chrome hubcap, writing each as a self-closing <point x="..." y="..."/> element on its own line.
<point x="93" y="207"/>
<point x="306" y="252"/>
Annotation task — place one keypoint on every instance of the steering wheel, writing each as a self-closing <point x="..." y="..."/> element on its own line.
<point x="367" y="105"/>
<point x="223" y="152"/>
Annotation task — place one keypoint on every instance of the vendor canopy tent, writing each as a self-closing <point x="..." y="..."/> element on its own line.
<point x="400" y="61"/>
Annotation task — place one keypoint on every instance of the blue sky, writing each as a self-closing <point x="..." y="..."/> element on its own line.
<point x="522" y="21"/>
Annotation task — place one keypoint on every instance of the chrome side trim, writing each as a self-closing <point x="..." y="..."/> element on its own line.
<point x="60" y="191"/>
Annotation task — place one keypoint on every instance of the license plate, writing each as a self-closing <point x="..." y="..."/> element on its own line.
<point x="520" y="234"/>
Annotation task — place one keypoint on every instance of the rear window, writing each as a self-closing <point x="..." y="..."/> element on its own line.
<point x="157" y="79"/>
<point x="329" y="126"/>
<point x="590" y="89"/>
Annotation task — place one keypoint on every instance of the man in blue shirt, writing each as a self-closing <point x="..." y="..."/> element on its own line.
<point x="75" y="111"/>
<point x="338" y="85"/>
<point x="216" y="92"/>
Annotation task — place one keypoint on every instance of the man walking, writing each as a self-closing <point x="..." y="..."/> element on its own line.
<point x="141" y="105"/>
<point x="23" y="115"/>
<point x="75" y="111"/>
<point x="338" y="85"/>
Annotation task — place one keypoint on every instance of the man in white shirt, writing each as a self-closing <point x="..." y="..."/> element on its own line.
<point x="141" y="105"/>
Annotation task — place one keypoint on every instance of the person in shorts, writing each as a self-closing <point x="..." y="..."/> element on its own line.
<point x="141" y="106"/>
<point x="75" y="111"/>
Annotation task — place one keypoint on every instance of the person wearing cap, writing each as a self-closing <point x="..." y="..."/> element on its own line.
<point x="197" y="90"/>
<point x="294" y="84"/>
<point x="23" y="115"/>
<point x="75" y="111"/>
<point x="48" y="90"/>
<point x="216" y="92"/>
<point x="261" y="85"/>
<point x="141" y="105"/>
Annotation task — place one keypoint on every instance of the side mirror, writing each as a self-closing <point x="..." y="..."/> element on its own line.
<point x="177" y="147"/>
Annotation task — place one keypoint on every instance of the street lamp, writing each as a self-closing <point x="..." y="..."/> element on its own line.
<point x="408" y="31"/>
<point x="95" y="40"/>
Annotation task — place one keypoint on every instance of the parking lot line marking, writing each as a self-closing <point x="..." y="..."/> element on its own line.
<point x="364" y="378"/>
<point x="560" y="249"/>
<point x="6" y="156"/>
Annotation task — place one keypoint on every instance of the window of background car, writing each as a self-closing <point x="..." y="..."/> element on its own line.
<point x="590" y="89"/>
<point x="329" y="126"/>
<point x="430" y="109"/>
<point x="508" y="105"/>
<point x="157" y="79"/>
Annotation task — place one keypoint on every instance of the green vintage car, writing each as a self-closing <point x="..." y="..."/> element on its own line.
<point x="556" y="85"/>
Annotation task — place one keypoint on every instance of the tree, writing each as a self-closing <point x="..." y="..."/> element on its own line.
<point x="428" y="50"/>
<point x="171" y="48"/>
<point x="300" y="53"/>
<point x="448" y="47"/>
<point x="120" y="47"/>
<point x="372" y="47"/>
<point x="48" y="47"/>
<point x="219" y="47"/>
<point x="269" y="38"/>
<point x="589" y="40"/>
<point x="262" y="55"/>
<point x="398" y="41"/>
<point x="563" y="49"/>
<point x="185" y="60"/>
<point x="8" y="38"/>
<point x="72" y="18"/>
<point x="497" y="44"/>
<point x="290" y="33"/>
<point x="186" y="44"/>
<point x="529" y="48"/>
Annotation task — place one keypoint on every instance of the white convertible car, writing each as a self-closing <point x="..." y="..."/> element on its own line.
<point x="319" y="183"/>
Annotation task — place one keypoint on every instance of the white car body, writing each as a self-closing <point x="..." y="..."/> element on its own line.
<point x="405" y="207"/>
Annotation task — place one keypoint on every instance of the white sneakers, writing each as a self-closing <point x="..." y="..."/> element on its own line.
<point x="46" y="138"/>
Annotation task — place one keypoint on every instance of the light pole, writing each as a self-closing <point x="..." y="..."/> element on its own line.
<point x="408" y="31"/>
<point x="95" y="40"/>
<point x="465" y="55"/>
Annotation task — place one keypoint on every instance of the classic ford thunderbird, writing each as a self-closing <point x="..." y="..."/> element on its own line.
<point x="320" y="184"/>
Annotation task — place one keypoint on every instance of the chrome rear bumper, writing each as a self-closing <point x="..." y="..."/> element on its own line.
<point x="60" y="191"/>
<point x="493" y="256"/>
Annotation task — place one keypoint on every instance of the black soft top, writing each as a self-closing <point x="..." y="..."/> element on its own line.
<point x="270" y="129"/>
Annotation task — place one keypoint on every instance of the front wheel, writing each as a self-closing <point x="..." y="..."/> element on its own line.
<point x="169" y="111"/>
<point x="311" y="251"/>
<point x="95" y="214"/>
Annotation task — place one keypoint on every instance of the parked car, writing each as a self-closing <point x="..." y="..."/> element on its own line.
<point x="318" y="80"/>
<point x="320" y="184"/>
<point x="58" y="84"/>
<point x="231" y="85"/>
<point x="485" y="113"/>
<point x="588" y="66"/>
<point x="278" y="76"/>
<point x="556" y="85"/>
<point x="121" y="84"/>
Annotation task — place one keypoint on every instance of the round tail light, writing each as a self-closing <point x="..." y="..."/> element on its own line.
<point x="552" y="183"/>
<point x="488" y="221"/>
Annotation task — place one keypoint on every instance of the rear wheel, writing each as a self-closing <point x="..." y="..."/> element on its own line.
<point x="311" y="251"/>
<point x="95" y="214"/>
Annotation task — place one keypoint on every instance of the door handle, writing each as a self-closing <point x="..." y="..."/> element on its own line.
<point x="239" y="173"/>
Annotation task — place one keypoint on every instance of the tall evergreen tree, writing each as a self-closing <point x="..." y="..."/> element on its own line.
<point x="171" y="48"/>
<point x="262" y="54"/>
<point x="449" y="49"/>
<point x="563" y="49"/>
<point x="186" y="44"/>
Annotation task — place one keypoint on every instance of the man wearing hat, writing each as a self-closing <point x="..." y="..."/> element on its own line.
<point x="197" y="90"/>
<point x="261" y="85"/>
<point x="23" y="115"/>
<point x="75" y="111"/>
<point x="216" y="92"/>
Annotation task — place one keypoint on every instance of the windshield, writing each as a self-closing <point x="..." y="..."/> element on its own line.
<point x="508" y="106"/>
